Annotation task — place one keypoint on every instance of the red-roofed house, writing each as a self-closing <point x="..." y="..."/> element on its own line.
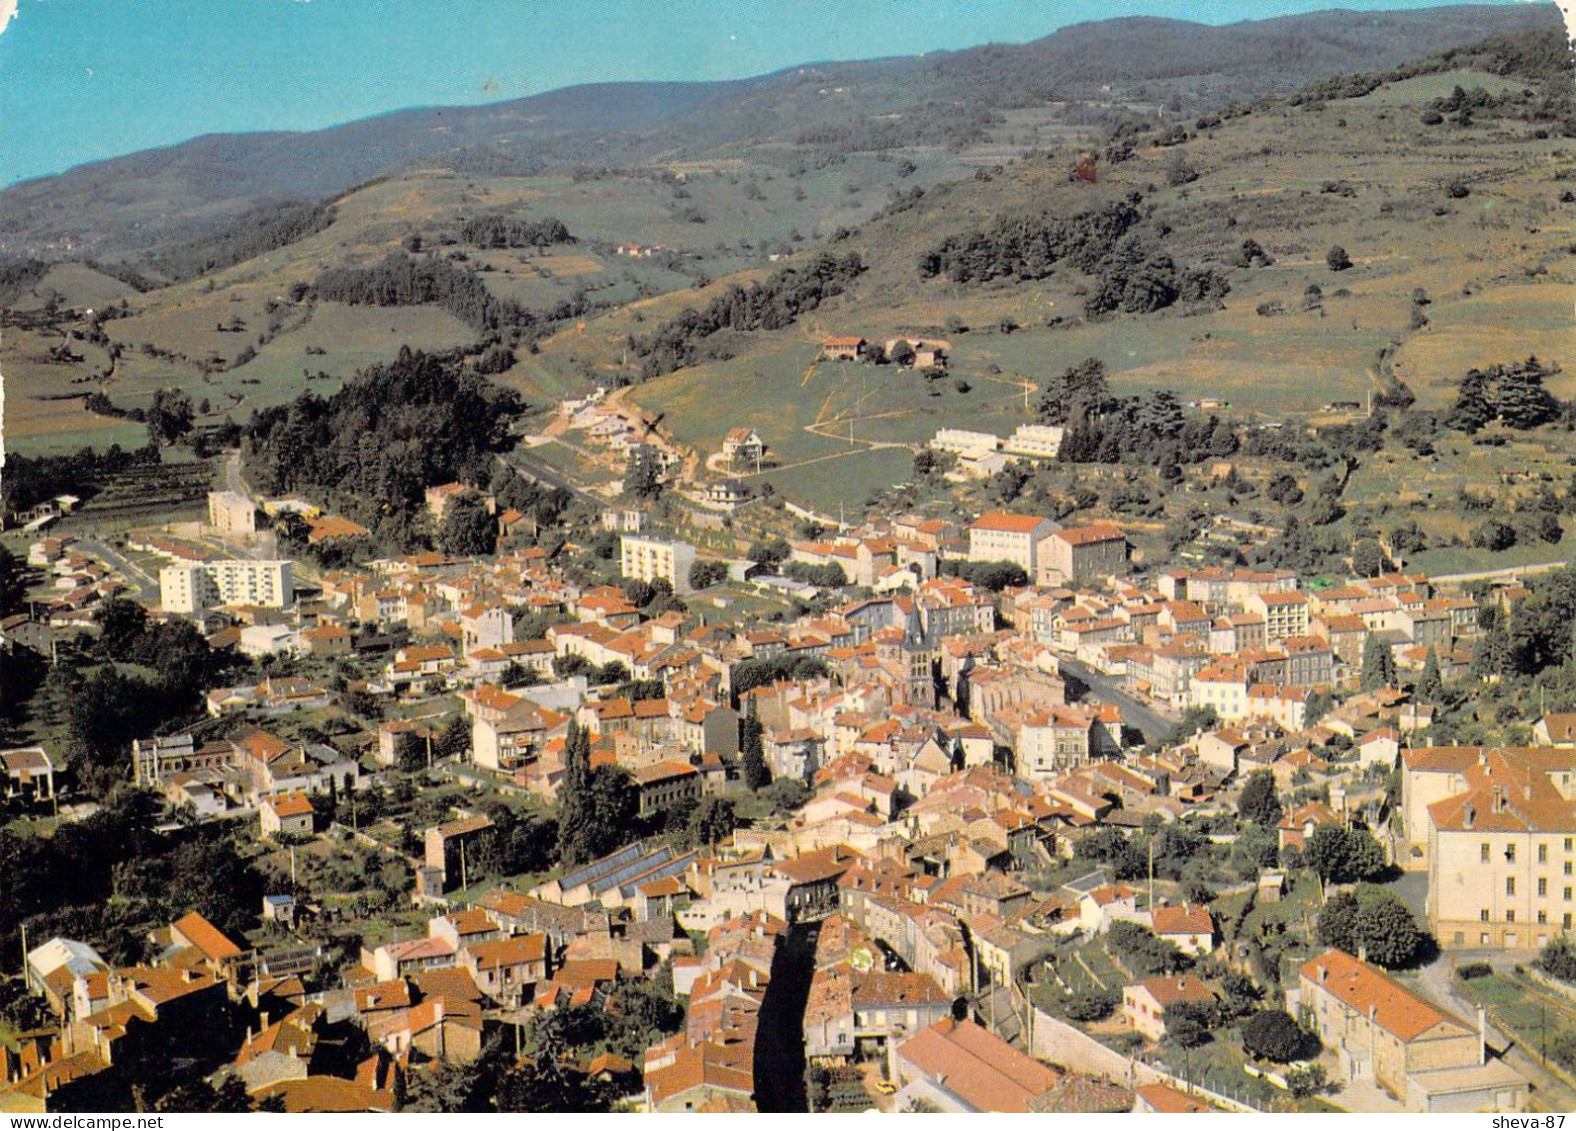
<point x="1382" y="1032"/>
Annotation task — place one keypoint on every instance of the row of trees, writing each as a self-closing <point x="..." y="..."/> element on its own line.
<point x="405" y="280"/>
<point x="30" y="480"/>
<point x="499" y="229"/>
<point x="771" y="304"/>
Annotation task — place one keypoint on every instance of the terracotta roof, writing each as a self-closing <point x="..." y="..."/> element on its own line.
<point x="1087" y="535"/>
<point x="1008" y="523"/>
<point x="1362" y="987"/>
<point x="512" y="951"/>
<point x="1189" y="919"/>
<point x="290" y="805"/>
<point x="982" y="1070"/>
<point x="1171" y="1101"/>
<point x="205" y="937"/>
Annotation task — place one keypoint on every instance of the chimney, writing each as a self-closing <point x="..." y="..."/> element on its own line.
<point x="1469" y="817"/>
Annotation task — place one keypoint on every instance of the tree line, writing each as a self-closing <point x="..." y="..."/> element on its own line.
<point x="30" y="480"/>
<point x="1029" y="247"/>
<point x="405" y="280"/>
<point x="771" y="304"/>
<point x="499" y="229"/>
<point x="265" y="228"/>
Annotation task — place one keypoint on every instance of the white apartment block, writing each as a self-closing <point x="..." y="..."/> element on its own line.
<point x="964" y="442"/>
<point x="1037" y="441"/>
<point x="646" y="558"/>
<point x="191" y="587"/>
<point x="230" y="513"/>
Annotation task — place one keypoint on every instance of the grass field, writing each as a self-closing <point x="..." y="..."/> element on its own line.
<point x="1425" y="88"/>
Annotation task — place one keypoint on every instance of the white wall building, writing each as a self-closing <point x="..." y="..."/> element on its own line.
<point x="646" y="557"/>
<point x="1037" y="441"/>
<point x="231" y="513"/>
<point x="190" y="587"/>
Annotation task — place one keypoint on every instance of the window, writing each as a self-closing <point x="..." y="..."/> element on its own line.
<point x="1570" y="843"/>
<point x="1510" y="916"/>
<point x="1543" y="886"/>
<point x="1483" y="915"/>
<point x="1483" y="939"/>
<point x="1567" y="895"/>
<point x="1565" y="920"/>
<point x="1483" y="853"/>
<point x="1567" y="867"/>
<point x="1510" y="854"/>
<point x="1510" y="885"/>
<point x="1543" y="917"/>
<point x="1460" y="938"/>
<point x="1543" y="854"/>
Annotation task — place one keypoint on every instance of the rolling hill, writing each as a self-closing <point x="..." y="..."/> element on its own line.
<point x="159" y="197"/>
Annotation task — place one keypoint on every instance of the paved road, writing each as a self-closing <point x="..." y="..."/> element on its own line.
<point x="232" y="474"/>
<point x="523" y="464"/>
<point x="1438" y="982"/>
<point x="1108" y="689"/>
<point x="147" y="585"/>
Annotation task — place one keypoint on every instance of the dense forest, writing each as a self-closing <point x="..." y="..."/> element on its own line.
<point x="1029" y="247"/>
<point x="499" y="229"/>
<point x="261" y="230"/>
<point x="405" y="280"/>
<point x="1136" y="277"/>
<point x="376" y="445"/>
<point x="771" y="304"/>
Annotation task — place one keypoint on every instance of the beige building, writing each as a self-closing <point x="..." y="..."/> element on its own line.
<point x="190" y="587"/>
<point x="1000" y="537"/>
<point x="231" y="513"/>
<point x="646" y="557"/>
<point x="1501" y="851"/>
<point x="1081" y="554"/>
<point x="1382" y="1033"/>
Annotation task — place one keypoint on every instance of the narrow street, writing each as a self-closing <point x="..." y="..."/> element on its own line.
<point x="779" y="1041"/>
<point x="1108" y="689"/>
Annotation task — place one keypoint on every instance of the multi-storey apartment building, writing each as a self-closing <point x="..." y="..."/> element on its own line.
<point x="647" y="557"/>
<point x="190" y="587"/>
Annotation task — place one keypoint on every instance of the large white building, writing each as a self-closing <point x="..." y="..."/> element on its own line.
<point x="964" y="442"/>
<point x="231" y="513"/>
<point x="190" y="587"/>
<point x="646" y="557"/>
<point x="1000" y="537"/>
<point x="1037" y="441"/>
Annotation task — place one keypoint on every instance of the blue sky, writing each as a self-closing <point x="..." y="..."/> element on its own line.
<point x="87" y="79"/>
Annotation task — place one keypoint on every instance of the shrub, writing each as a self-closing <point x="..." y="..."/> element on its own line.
<point x="1474" y="970"/>
<point x="1309" y="1081"/>
<point x="1092" y="1005"/>
<point x="1273" y="1034"/>
<point x="1558" y="960"/>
